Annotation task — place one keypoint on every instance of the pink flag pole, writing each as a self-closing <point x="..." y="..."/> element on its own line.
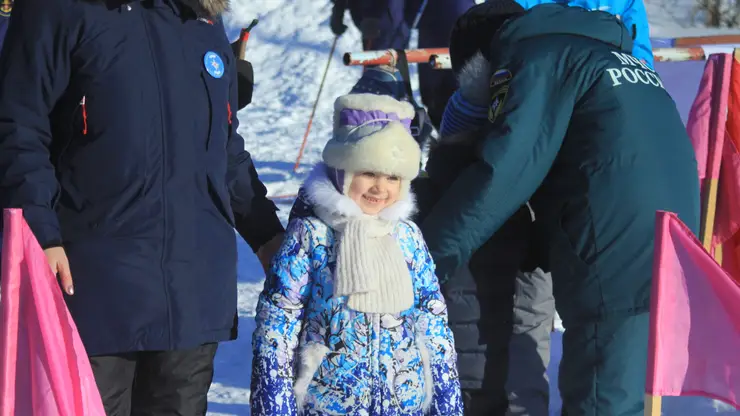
<point x="10" y="290"/>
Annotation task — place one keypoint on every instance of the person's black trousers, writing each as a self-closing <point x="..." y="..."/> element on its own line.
<point x="155" y="383"/>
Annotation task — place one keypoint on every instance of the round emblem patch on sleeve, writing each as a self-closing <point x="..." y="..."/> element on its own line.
<point x="214" y="64"/>
<point x="499" y="87"/>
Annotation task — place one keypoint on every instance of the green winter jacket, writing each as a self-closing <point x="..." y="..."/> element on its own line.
<point x="590" y="137"/>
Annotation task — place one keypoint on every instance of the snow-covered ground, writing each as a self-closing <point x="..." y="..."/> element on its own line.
<point x="289" y="49"/>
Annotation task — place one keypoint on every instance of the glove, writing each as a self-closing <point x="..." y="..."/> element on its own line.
<point x="337" y="18"/>
<point x="245" y="82"/>
<point x="245" y="76"/>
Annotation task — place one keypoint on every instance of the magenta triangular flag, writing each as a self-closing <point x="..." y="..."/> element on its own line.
<point x="708" y="115"/>
<point x="694" y="319"/>
<point x="44" y="369"/>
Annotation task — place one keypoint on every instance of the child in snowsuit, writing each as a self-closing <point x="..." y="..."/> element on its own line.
<point x="351" y="320"/>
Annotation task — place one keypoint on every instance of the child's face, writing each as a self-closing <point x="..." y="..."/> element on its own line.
<point x="374" y="191"/>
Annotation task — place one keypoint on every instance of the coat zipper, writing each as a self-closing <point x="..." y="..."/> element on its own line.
<point x="164" y="175"/>
<point x="375" y="405"/>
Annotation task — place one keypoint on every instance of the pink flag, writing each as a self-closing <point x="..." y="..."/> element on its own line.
<point x="44" y="370"/>
<point x="694" y="319"/>
<point x="714" y="133"/>
<point x="727" y="222"/>
<point x="708" y="115"/>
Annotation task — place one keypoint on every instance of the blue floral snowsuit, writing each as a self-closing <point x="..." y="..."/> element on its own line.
<point x="313" y="353"/>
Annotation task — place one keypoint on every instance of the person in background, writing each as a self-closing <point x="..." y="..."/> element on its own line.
<point x="387" y="24"/>
<point x="585" y="148"/>
<point x="118" y="139"/>
<point x="631" y="12"/>
<point x="481" y="295"/>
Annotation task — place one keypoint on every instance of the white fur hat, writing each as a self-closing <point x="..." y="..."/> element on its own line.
<point x="372" y="134"/>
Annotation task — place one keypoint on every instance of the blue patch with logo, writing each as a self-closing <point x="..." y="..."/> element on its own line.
<point x="499" y="77"/>
<point x="214" y="64"/>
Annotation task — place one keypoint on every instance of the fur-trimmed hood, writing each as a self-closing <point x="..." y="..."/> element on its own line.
<point x="474" y="80"/>
<point x="211" y="8"/>
<point x="474" y="92"/>
<point x="321" y="192"/>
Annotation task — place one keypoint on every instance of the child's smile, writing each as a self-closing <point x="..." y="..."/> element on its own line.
<point x="373" y="200"/>
<point x="374" y="192"/>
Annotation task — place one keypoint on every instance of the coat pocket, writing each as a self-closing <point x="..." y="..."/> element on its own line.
<point x="332" y="382"/>
<point x="412" y="381"/>
<point x="221" y="199"/>
<point x="217" y="90"/>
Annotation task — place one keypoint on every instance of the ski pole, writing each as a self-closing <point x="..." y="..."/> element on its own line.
<point x="419" y="14"/>
<point x="315" y="104"/>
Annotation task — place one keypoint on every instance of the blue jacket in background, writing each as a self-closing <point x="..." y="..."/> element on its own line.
<point x="631" y="12"/>
<point x="118" y="139"/>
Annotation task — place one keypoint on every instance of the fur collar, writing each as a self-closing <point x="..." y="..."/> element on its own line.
<point x="215" y="7"/>
<point x="474" y="79"/>
<point x="320" y="191"/>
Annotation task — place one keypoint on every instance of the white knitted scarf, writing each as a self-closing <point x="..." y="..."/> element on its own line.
<point x="371" y="269"/>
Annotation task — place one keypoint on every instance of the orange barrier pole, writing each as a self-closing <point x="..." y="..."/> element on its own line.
<point x="388" y="57"/>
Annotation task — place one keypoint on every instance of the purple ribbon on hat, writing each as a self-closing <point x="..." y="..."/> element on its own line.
<point x="355" y="117"/>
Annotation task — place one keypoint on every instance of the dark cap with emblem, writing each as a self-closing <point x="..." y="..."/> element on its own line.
<point x="475" y="29"/>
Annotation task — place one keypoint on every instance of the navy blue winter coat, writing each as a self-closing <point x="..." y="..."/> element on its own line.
<point x="118" y="140"/>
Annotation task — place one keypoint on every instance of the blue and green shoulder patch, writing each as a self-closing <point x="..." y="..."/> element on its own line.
<point x="499" y="88"/>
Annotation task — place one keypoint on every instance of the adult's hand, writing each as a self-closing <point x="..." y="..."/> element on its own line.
<point x="268" y="251"/>
<point x="57" y="258"/>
